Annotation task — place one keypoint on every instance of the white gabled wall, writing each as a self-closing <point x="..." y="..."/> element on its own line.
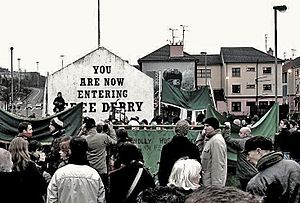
<point x="102" y="79"/>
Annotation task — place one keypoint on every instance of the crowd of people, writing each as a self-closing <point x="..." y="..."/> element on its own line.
<point x="103" y="164"/>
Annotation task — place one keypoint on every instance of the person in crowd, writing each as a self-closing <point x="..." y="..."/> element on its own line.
<point x="215" y="194"/>
<point x="97" y="144"/>
<point x="77" y="181"/>
<point x="36" y="154"/>
<point x="122" y="137"/>
<point x="278" y="179"/>
<point x="25" y="130"/>
<point x="32" y="115"/>
<point x="180" y="146"/>
<point x="64" y="151"/>
<point x="185" y="175"/>
<point x="31" y="185"/>
<point x="293" y="125"/>
<point x="282" y="139"/>
<point x="134" y="121"/>
<point x="237" y="122"/>
<point x="131" y="178"/>
<point x="244" y="169"/>
<point x="59" y="103"/>
<point x="57" y="131"/>
<point x="7" y="185"/>
<point x="161" y="194"/>
<point x="214" y="153"/>
<point x="294" y="145"/>
<point x="254" y="119"/>
<point x="144" y="123"/>
<point x="244" y="123"/>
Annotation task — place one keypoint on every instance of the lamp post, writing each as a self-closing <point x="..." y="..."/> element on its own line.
<point x="289" y="90"/>
<point x="12" y="79"/>
<point x="38" y="74"/>
<point x="19" y="74"/>
<point x="62" y="60"/>
<point x="281" y="8"/>
<point x="205" y="65"/>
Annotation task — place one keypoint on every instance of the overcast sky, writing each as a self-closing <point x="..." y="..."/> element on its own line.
<point x="42" y="30"/>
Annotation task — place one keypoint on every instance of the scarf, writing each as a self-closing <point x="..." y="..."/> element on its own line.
<point x="268" y="160"/>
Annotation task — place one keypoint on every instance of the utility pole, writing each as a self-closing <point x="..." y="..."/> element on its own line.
<point x="38" y="74"/>
<point x="12" y="79"/>
<point x="62" y="60"/>
<point x="266" y="42"/>
<point x="98" y="23"/>
<point x="173" y="35"/>
<point x="19" y="74"/>
<point x="183" y="30"/>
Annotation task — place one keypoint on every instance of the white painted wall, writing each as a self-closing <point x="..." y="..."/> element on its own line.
<point x="84" y="76"/>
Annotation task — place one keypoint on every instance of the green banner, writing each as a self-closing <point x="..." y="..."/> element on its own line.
<point x="9" y="122"/>
<point x="191" y="100"/>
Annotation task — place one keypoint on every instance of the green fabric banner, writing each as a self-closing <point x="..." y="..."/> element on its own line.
<point x="9" y="122"/>
<point x="151" y="143"/>
<point x="190" y="100"/>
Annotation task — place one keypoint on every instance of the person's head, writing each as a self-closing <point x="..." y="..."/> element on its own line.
<point x="129" y="152"/>
<point x="293" y="124"/>
<point x="161" y="194"/>
<point x="78" y="148"/>
<point x="145" y="122"/>
<point x="237" y="122"/>
<point x="185" y="174"/>
<point x="59" y="94"/>
<point x="55" y="124"/>
<point x="122" y="135"/>
<point x="182" y="128"/>
<point x="284" y="124"/>
<point x="228" y="194"/>
<point x="245" y="132"/>
<point x="89" y="123"/>
<point x="64" y="146"/>
<point x="34" y="145"/>
<point x="25" y="128"/>
<point x="211" y="124"/>
<point x="254" y="119"/>
<point x="19" y="153"/>
<point x="6" y="163"/>
<point x="256" y="147"/>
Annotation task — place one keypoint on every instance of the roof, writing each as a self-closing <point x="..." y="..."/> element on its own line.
<point x="246" y="55"/>
<point x="212" y="59"/>
<point x="163" y="54"/>
<point x="292" y="64"/>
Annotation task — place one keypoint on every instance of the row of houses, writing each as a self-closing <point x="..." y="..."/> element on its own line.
<point x="242" y="78"/>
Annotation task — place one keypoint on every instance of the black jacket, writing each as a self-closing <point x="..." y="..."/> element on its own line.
<point x="177" y="148"/>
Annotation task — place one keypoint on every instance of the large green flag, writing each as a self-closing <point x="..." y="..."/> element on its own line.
<point x="190" y="100"/>
<point x="72" y="119"/>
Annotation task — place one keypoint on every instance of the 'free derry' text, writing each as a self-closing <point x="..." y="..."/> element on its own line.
<point x="105" y="88"/>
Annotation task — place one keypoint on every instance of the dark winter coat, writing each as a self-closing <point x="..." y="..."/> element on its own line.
<point x="278" y="180"/>
<point x="122" y="179"/>
<point x="177" y="148"/>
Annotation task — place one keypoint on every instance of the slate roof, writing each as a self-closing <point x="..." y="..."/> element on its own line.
<point x="292" y="64"/>
<point x="212" y="59"/>
<point x="246" y="55"/>
<point x="163" y="54"/>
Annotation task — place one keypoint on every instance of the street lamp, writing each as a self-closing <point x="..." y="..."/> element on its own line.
<point x="62" y="60"/>
<point x="205" y="65"/>
<point x="281" y="8"/>
<point x="12" y="78"/>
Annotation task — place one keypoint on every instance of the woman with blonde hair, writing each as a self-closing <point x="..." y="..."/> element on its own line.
<point x="185" y="175"/>
<point x="31" y="185"/>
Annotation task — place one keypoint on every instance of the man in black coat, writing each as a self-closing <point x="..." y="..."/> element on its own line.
<point x="178" y="147"/>
<point x="59" y="103"/>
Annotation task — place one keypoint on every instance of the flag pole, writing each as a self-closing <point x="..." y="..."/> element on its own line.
<point x="159" y="92"/>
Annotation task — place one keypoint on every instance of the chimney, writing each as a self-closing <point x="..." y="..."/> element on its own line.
<point x="176" y="50"/>
<point x="270" y="51"/>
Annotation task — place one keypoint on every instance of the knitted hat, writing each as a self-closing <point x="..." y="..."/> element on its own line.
<point x="182" y="127"/>
<point x="213" y="122"/>
<point x="58" y="122"/>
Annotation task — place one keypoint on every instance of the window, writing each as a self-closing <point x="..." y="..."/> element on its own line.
<point x="236" y="88"/>
<point x="263" y="103"/>
<point x="236" y="72"/>
<point x="267" y="70"/>
<point x="267" y="87"/>
<point x="236" y="106"/>
<point x="201" y="73"/>
<point x="250" y="86"/>
<point x="284" y="90"/>
<point x="250" y="69"/>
